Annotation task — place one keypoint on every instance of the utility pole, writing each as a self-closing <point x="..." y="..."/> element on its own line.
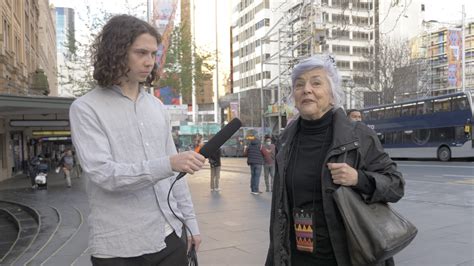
<point x="193" y="93"/>
<point x="377" y="50"/>
<point x="463" y="49"/>
<point x="216" y="93"/>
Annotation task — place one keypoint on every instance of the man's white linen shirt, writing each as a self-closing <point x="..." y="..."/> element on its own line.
<point x="124" y="150"/>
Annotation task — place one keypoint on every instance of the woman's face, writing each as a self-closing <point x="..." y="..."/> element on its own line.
<point x="312" y="92"/>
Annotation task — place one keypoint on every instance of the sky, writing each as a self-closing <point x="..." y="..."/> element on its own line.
<point x="205" y="25"/>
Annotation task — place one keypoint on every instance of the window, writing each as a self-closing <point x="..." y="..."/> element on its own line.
<point x="362" y="66"/>
<point x="442" y="105"/>
<point x="343" y="64"/>
<point x="6" y="35"/>
<point x="341" y="34"/>
<point x="358" y="35"/>
<point x="360" y="50"/>
<point x="341" y="49"/>
<point x="360" y="20"/>
<point x="409" y="109"/>
<point x="459" y="103"/>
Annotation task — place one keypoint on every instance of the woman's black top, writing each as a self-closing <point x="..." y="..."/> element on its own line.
<point x="304" y="179"/>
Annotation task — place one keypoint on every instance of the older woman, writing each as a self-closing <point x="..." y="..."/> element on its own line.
<point x="317" y="152"/>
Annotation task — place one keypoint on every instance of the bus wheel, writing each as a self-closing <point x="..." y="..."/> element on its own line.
<point x="444" y="154"/>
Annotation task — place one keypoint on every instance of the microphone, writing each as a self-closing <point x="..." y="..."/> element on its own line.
<point x="218" y="140"/>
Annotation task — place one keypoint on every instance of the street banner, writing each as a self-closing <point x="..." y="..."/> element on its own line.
<point x="163" y="19"/>
<point x="454" y="54"/>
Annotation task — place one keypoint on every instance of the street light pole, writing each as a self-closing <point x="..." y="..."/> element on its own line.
<point x="463" y="49"/>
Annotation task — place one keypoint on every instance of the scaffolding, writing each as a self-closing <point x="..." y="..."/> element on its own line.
<point x="298" y="34"/>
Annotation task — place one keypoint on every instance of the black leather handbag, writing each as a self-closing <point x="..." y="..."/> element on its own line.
<point x="375" y="232"/>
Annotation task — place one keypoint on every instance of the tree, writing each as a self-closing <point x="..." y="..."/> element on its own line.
<point x="178" y="67"/>
<point x="76" y="71"/>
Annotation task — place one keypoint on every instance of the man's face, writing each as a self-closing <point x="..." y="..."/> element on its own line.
<point x="141" y="57"/>
<point x="355" y="116"/>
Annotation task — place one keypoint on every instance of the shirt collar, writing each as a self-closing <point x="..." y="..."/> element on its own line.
<point x="118" y="90"/>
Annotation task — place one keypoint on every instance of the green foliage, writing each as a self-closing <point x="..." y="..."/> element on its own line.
<point x="178" y="70"/>
<point x="76" y="72"/>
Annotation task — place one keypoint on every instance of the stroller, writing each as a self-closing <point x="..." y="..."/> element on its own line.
<point x="39" y="172"/>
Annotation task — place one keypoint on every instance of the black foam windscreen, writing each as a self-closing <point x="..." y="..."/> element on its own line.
<point x="220" y="138"/>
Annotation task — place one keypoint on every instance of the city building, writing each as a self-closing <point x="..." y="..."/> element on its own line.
<point x="27" y="76"/>
<point x="20" y="48"/>
<point x="47" y="43"/>
<point x="268" y="38"/>
<point x="436" y="50"/>
<point x="65" y="39"/>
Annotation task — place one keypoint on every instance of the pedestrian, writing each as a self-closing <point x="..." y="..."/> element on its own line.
<point x="320" y="151"/>
<point x="67" y="164"/>
<point x="255" y="161"/>
<point x="354" y="115"/>
<point x="77" y="170"/>
<point x="215" y="163"/>
<point x="122" y="136"/>
<point x="268" y="152"/>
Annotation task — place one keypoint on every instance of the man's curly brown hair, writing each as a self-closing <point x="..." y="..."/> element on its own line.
<point x="109" y="50"/>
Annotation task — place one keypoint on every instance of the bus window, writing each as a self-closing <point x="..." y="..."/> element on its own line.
<point x="388" y="112"/>
<point x="420" y="107"/>
<point x="407" y="136"/>
<point x="366" y="115"/>
<point x="443" y="134"/>
<point x="397" y="137"/>
<point x="377" y="114"/>
<point x="388" y="138"/>
<point x="409" y="109"/>
<point x="459" y="103"/>
<point x="392" y="112"/>
<point x="397" y="110"/>
<point x="442" y="105"/>
<point x="381" y="137"/>
<point x="428" y="107"/>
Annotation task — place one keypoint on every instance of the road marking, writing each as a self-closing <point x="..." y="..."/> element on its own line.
<point x="466" y="176"/>
<point x="464" y="182"/>
<point x="439" y="166"/>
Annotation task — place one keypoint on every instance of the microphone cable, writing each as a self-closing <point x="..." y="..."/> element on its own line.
<point x="192" y="255"/>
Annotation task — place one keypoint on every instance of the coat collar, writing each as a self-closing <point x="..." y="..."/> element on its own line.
<point x="343" y="129"/>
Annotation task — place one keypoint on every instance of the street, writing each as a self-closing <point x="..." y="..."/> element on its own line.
<point x="439" y="200"/>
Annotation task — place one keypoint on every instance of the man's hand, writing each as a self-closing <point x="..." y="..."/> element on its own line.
<point x="342" y="174"/>
<point x="187" y="162"/>
<point x="197" y="242"/>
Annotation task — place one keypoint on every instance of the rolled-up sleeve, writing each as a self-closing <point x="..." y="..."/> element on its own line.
<point x="94" y="152"/>
<point x="182" y="195"/>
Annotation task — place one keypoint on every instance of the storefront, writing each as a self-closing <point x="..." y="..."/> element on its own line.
<point x="29" y="126"/>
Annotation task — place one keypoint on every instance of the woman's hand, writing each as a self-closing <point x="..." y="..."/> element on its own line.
<point x="343" y="174"/>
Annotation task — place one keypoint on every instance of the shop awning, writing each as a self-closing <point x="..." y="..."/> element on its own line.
<point x="24" y="105"/>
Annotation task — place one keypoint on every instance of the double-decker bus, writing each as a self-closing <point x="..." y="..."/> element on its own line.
<point x="435" y="127"/>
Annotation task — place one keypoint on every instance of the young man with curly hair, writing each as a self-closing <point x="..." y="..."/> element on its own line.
<point x="124" y="143"/>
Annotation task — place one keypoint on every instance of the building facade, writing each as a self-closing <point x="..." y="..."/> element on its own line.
<point x="440" y="48"/>
<point x="20" y="48"/>
<point x="269" y="37"/>
<point x="65" y="38"/>
<point x="27" y="75"/>
<point x="47" y="43"/>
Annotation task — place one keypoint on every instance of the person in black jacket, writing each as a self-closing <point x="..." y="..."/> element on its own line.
<point x="215" y="162"/>
<point x="315" y="154"/>
<point x="255" y="161"/>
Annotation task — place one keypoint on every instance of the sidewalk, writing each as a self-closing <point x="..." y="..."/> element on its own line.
<point x="234" y="223"/>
